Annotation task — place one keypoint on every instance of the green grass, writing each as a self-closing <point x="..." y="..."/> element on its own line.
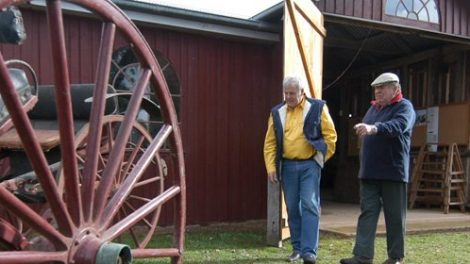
<point x="242" y="247"/>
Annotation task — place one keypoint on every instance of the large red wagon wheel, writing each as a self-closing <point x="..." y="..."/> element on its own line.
<point x="88" y="217"/>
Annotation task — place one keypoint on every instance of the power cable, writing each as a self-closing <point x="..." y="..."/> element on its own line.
<point x="351" y="62"/>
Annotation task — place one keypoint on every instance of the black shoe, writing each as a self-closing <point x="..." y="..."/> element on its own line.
<point x="393" y="261"/>
<point x="309" y="258"/>
<point x="356" y="260"/>
<point x="294" y="256"/>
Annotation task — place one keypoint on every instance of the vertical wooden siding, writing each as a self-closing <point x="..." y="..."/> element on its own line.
<point x="82" y="40"/>
<point x="454" y="14"/>
<point x="455" y="17"/>
<point x="367" y="9"/>
<point x="228" y="88"/>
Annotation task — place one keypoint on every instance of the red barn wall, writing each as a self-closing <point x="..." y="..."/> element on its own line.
<point x="228" y="87"/>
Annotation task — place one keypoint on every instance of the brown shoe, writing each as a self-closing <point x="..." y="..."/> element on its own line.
<point x="394" y="261"/>
<point x="356" y="260"/>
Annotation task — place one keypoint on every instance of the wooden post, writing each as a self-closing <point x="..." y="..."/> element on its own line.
<point x="273" y="225"/>
<point x="467" y="175"/>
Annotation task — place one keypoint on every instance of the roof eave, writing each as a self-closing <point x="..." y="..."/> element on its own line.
<point x="188" y="20"/>
<point x="273" y="13"/>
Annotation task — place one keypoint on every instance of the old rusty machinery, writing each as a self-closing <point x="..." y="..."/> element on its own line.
<point x="104" y="202"/>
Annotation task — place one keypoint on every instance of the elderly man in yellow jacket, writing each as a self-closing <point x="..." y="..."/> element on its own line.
<point x="300" y="138"/>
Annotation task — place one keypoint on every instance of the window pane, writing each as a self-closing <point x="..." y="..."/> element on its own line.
<point x="126" y="72"/>
<point x="408" y="4"/>
<point x="177" y="102"/>
<point x="412" y="16"/>
<point x="401" y="11"/>
<point x="432" y="10"/>
<point x="422" y="10"/>
<point x="418" y="4"/>
<point x="391" y="6"/>
<point x="423" y="15"/>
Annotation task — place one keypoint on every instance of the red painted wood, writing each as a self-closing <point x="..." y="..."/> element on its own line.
<point x="73" y="42"/>
<point x="449" y="11"/>
<point x="377" y="10"/>
<point x="340" y="7"/>
<point x="467" y="24"/>
<point x="223" y="126"/>
<point x="44" y="67"/>
<point x="367" y="9"/>
<point x="330" y="6"/>
<point x="358" y="8"/>
<point x="349" y="7"/>
<point x="464" y="22"/>
<point x="321" y="5"/>
<point x="457" y="18"/>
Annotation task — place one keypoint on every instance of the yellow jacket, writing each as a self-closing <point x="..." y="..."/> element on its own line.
<point x="295" y="145"/>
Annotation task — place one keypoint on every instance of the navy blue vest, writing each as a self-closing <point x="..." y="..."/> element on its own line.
<point x="312" y="129"/>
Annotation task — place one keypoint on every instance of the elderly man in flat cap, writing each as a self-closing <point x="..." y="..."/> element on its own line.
<point x="384" y="172"/>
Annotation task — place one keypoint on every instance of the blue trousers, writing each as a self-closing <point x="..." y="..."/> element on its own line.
<point x="301" y="185"/>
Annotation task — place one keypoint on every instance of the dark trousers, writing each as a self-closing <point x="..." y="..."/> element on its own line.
<point x="392" y="196"/>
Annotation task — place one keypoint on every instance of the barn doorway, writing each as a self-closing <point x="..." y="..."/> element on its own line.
<point x="354" y="54"/>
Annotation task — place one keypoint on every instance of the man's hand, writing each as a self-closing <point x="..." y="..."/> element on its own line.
<point x="272" y="177"/>
<point x="365" y="129"/>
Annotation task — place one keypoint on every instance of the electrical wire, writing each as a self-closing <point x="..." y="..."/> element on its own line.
<point x="350" y="63"/>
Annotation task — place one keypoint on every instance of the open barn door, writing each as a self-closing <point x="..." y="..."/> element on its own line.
<point x="303" y="57"/>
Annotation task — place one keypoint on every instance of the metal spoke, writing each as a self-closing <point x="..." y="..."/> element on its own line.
<point x="29" y="216"/>
<point x="79" y="157"/>
<point x="149" y="225"/>
<point x="126" y="223"/>
<point x="110" y="136"/>
<point x="64" y="109"/>
<point x="32" y="257"/>
<point x="96" y="118"/>
<point x="117" y="152"/>
<point x="133" y="177"/>
<point x="131" y="230"/>
<point x="103" y="162"/>
<point x="147" y="181"/>
<point x="133" y="155"/>
<point x="142" y="199"/>
<point x="118" y="178"/>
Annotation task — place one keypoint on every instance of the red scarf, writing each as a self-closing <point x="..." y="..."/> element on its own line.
<point x="395" y="99"/>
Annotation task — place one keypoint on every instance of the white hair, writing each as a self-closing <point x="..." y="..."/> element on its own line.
<point x="294" y="81"/>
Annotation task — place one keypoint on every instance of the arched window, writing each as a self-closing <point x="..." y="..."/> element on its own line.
<point x="419" y="10"/>
<point x="125" y="72"/>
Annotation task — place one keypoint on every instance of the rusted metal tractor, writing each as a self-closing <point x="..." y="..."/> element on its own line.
<point x="101" y="200"/>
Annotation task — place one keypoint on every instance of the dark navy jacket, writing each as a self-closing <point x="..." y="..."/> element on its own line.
<point x="312" y="127"/>
<point x="386" y="155"/>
